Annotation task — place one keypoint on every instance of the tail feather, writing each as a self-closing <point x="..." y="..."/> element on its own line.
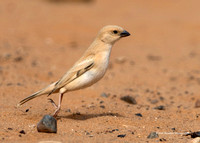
<point x="46" y="90"/>
<point x="29" y="98"/>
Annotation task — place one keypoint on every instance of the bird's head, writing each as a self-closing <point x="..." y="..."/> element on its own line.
<point x="111" y="33"/>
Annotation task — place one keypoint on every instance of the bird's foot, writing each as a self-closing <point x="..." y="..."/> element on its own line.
<point x="56" y="112"/>
<point x="52" y="102"/>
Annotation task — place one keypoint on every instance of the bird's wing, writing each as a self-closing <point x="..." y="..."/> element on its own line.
<point x="76" y="71"/>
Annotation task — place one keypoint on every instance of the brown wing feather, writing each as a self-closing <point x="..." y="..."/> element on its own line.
<point x="76" y="71"/>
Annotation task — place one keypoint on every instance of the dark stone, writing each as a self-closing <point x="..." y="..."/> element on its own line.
<point x="152" y="135"/>
<point x="161" y="107"/>
<point x="129" y="99"/>
<point x="27" y="110"/>
<point x="173" y="129"/>
<point x="10" y="128"/>
<point x="138" y="114"/>
<point x="48" y="124"/>
<point x="101" y="102"/>
<point x="121" y="136"/>
<point x="162" y="139"/>
<point x="22" y="132"/>
<point x="197" y="104"/>
<point x="18" y="59"/>
<point x="102" y="106"/>
<point x="78" y="113"/>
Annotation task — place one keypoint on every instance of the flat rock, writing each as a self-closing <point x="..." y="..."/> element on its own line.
<point x="48" y="124"/>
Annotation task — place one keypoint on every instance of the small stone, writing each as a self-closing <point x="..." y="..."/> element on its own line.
<point x="10" y="128"/>
<point x="102" y="106"/>
<point x="120" y="60"/>
<point x="154" y="101"/>
<point x="22" y="132"/>
<point x="138" y="114"/>
<point x="78" y="113"/>
<point x="154" y="58"/>
<point x="173" y="129"/>
<point x="101" y="102"/>
<point x="121" y="136"/>
<point x="152" y="135"/>
<point x="161" y="107"/>
<point x="129" y="99"/>
<point x="197" y="104"/>
<point x="27" y="110"/>
<point x="48" y="124"/>
<point x="68" y="110"/>
<point x="104" y="95"/>
<point x="18" y="59"/>
<point x="162" y="139"/>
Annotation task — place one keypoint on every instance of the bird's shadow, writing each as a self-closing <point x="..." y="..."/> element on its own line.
<point x="88" y="116"/>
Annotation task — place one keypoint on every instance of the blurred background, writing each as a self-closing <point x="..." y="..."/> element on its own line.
<point x="59" y="31"/>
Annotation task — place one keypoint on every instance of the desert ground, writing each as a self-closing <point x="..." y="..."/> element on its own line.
<point x="158" y="66"/>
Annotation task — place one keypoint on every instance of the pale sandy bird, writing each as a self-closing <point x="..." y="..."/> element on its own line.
<point x="89" y="69"/>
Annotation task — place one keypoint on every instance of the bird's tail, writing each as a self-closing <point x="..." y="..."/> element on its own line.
<point x="46" y="90"/>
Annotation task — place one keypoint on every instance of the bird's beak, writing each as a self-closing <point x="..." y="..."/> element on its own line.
<point x="124" y="33"/>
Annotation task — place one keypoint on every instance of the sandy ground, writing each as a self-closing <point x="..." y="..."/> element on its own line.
<point x="157" y="65"/>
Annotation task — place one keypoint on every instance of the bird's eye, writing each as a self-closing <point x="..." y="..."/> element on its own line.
<point x="115" y="31"/>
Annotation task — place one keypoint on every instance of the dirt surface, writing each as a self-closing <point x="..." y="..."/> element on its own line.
<point x="158" y="65"/>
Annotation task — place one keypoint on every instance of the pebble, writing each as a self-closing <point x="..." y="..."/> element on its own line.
<point x="154" y="101"/>
<point x="48" y="124"/>
<point x="154" y="58"/>
<point x="104" y="95"/>
<point x="138" y="114"/>
<point x="161" y="107"/>
<point x="173" y="129"/>
<point x="101" y="102"/>
<point x="102" y="106"/>
<point x="22" y="132"/>
<point x="121" y="136"/>
<point x="162" y="139"/>
<point x="18" y="59"/>
<point x="152" y="135"/>
<point x="197" y="104"/>
<point x="120" y="60"/>
<point x="129" y="99"/>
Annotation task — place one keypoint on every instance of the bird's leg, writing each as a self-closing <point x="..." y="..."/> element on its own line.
<point x="59" y="105"/>
<point x="52" y="102"/>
